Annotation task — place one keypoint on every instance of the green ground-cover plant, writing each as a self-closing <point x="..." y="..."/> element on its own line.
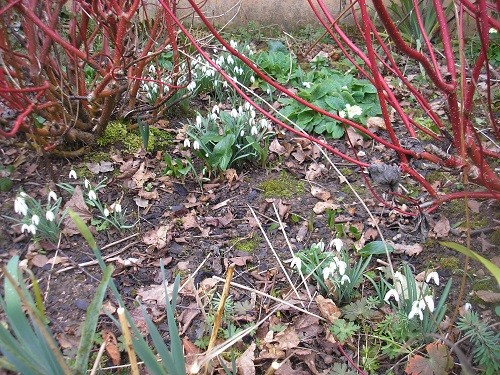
<point x="485" y="341"/>
<point x="335" y="92"/>
<point x="223" y="139"/>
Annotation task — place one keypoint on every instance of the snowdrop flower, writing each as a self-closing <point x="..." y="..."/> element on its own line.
<point x="415" y="309"/>
<point x="252" y="113"/>
<point x="434" y="277"/>
<point x="341" y="265"/>
<point x="492" y="30"/>
<point x="254" y="130"/>
<point x="35" y="220"/>
<point x="29" y="228"/>
<point x="252" y="79"/>
<point x="106" y="212"/>
<point x="246" y="106"/>
<point x="344" y="279"/>
<point x="296" y="262"/>
<point x="187" y="143"/>
<point x="234" y="113"/>
<point x="52" y="195"/>
<point x="240" y="109"/>
<point x="242" y="133"/>
<point x="49" y="215"/>
<point x="213" y="116"/>
<point x="224" y="84"/>
<point x="391" y="293"/>
<point x="191" y="86"/>
<point x="20" y="206"/>
<point x="92" y="195"/>
<point x="72" y="174"/>
<point x="342" y="114"/>
<point x="152" y="69"/>
<point x="196" y="145"/>
<point x="263" y="123"/>
<point x="198" y="120"/>
<point x="329" y="271"/>
<point x="118" y="208"/>
<point x="86" y="183"/>
<point x="230" y="60"/>
<point x="215" y="109"/>
<point x="233" y="43"/>
<point x="467" y="306"/>
<point x="235" y="79"/>
<point x="337" y="243"/>
<point x="307" y="85"/>
<point x="353" y="111"/>
<point x="428" y="302"/>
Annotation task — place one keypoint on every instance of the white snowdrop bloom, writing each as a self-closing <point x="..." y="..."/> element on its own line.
<point x="196" y="145"/>
<point x="203" y="68"/>
<point x="240" y="109"/>
<point x="52" y="195"/>
<point x="428" y="302"/>
<point x="415" y="309"/>
<point x="210" y="73"/>
<point x="252" y="79"/>
<point x="233" y="43"/>
<point x="86" y="183"/>
<point x="92" y="195"/>
<point x="234" y="113"/>
<point x="198" y="120"/>
<point x="307" y="85"/>
<point x="263" y="123"/>
<point x="118" y="208"/>
<point x="152" y="69"/>
<point x="252" y="113"/>
<point x="241" y="71"/>
<point x="230" y="60"/>
<point x="391" y="293"/>
<point x="106" y="212"/>
<point x="246" y="106"/>
<point x="337" y="243"/>
<point x="187" y="143"/>
<point x="344" y="279"/>
<point x="467" y="306"/>
<point x="242" y="133"/>
<point x="268" y="91"/>
<point x="254" y="131"/>
<point x="296" y="262"/>
<point x="354" y="110"/>
<point x="492" y="30"/>
<point x="329" y="271"/>
<point x="342" y="266"/>
<point x="220" y="60"/>
<point x="215" y="109"/>
<point x="251" y="121"/>
<point x="191" y="86"/>
<point x="321" y="246"/>
<point x="29" y="228"/>
<point x="35" y="220"/>
<point x="23" y="194"/>
<point x="20" y="206"/>
<point x="49" y="215"/>
<point x="342" y="114"/>
<point x="72" y="174"/>
<point x="213" y="116"/>
<point x="224" y="48"/>
<point x="432" y="276"/>
<point x="224" y="84"/>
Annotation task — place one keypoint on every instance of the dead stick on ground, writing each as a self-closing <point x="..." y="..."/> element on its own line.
<point x="94" y="262"/>
<point x="220" y="311"/>
<point x="128" y="341"/>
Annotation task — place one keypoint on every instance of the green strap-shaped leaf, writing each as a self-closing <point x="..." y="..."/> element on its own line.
<point x="495" y="271"/>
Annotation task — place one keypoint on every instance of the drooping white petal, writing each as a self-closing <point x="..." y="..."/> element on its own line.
<point x="391" y="293"/>
<point x="72" y="174"/>
<point x="434" y="276"/>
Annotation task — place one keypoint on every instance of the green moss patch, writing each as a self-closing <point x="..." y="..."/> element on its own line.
<point x="285" y="186"/>
<point x="117" y="132"/>
<point x="247" y="245"/>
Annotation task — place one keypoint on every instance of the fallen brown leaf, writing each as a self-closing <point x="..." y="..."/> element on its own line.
<point x="488" y="296"/>
<point x="276" y="147"/>
<point x="321" y="207"/>
<point x="111" y="346"/>
<point x="410" y="250"/>
<point x="158" y="237"/>
<point x="320" y="193"/>
<point x="78" y="205"/>
<point x="441" y="228"/>
<point x="328" y="309"/>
